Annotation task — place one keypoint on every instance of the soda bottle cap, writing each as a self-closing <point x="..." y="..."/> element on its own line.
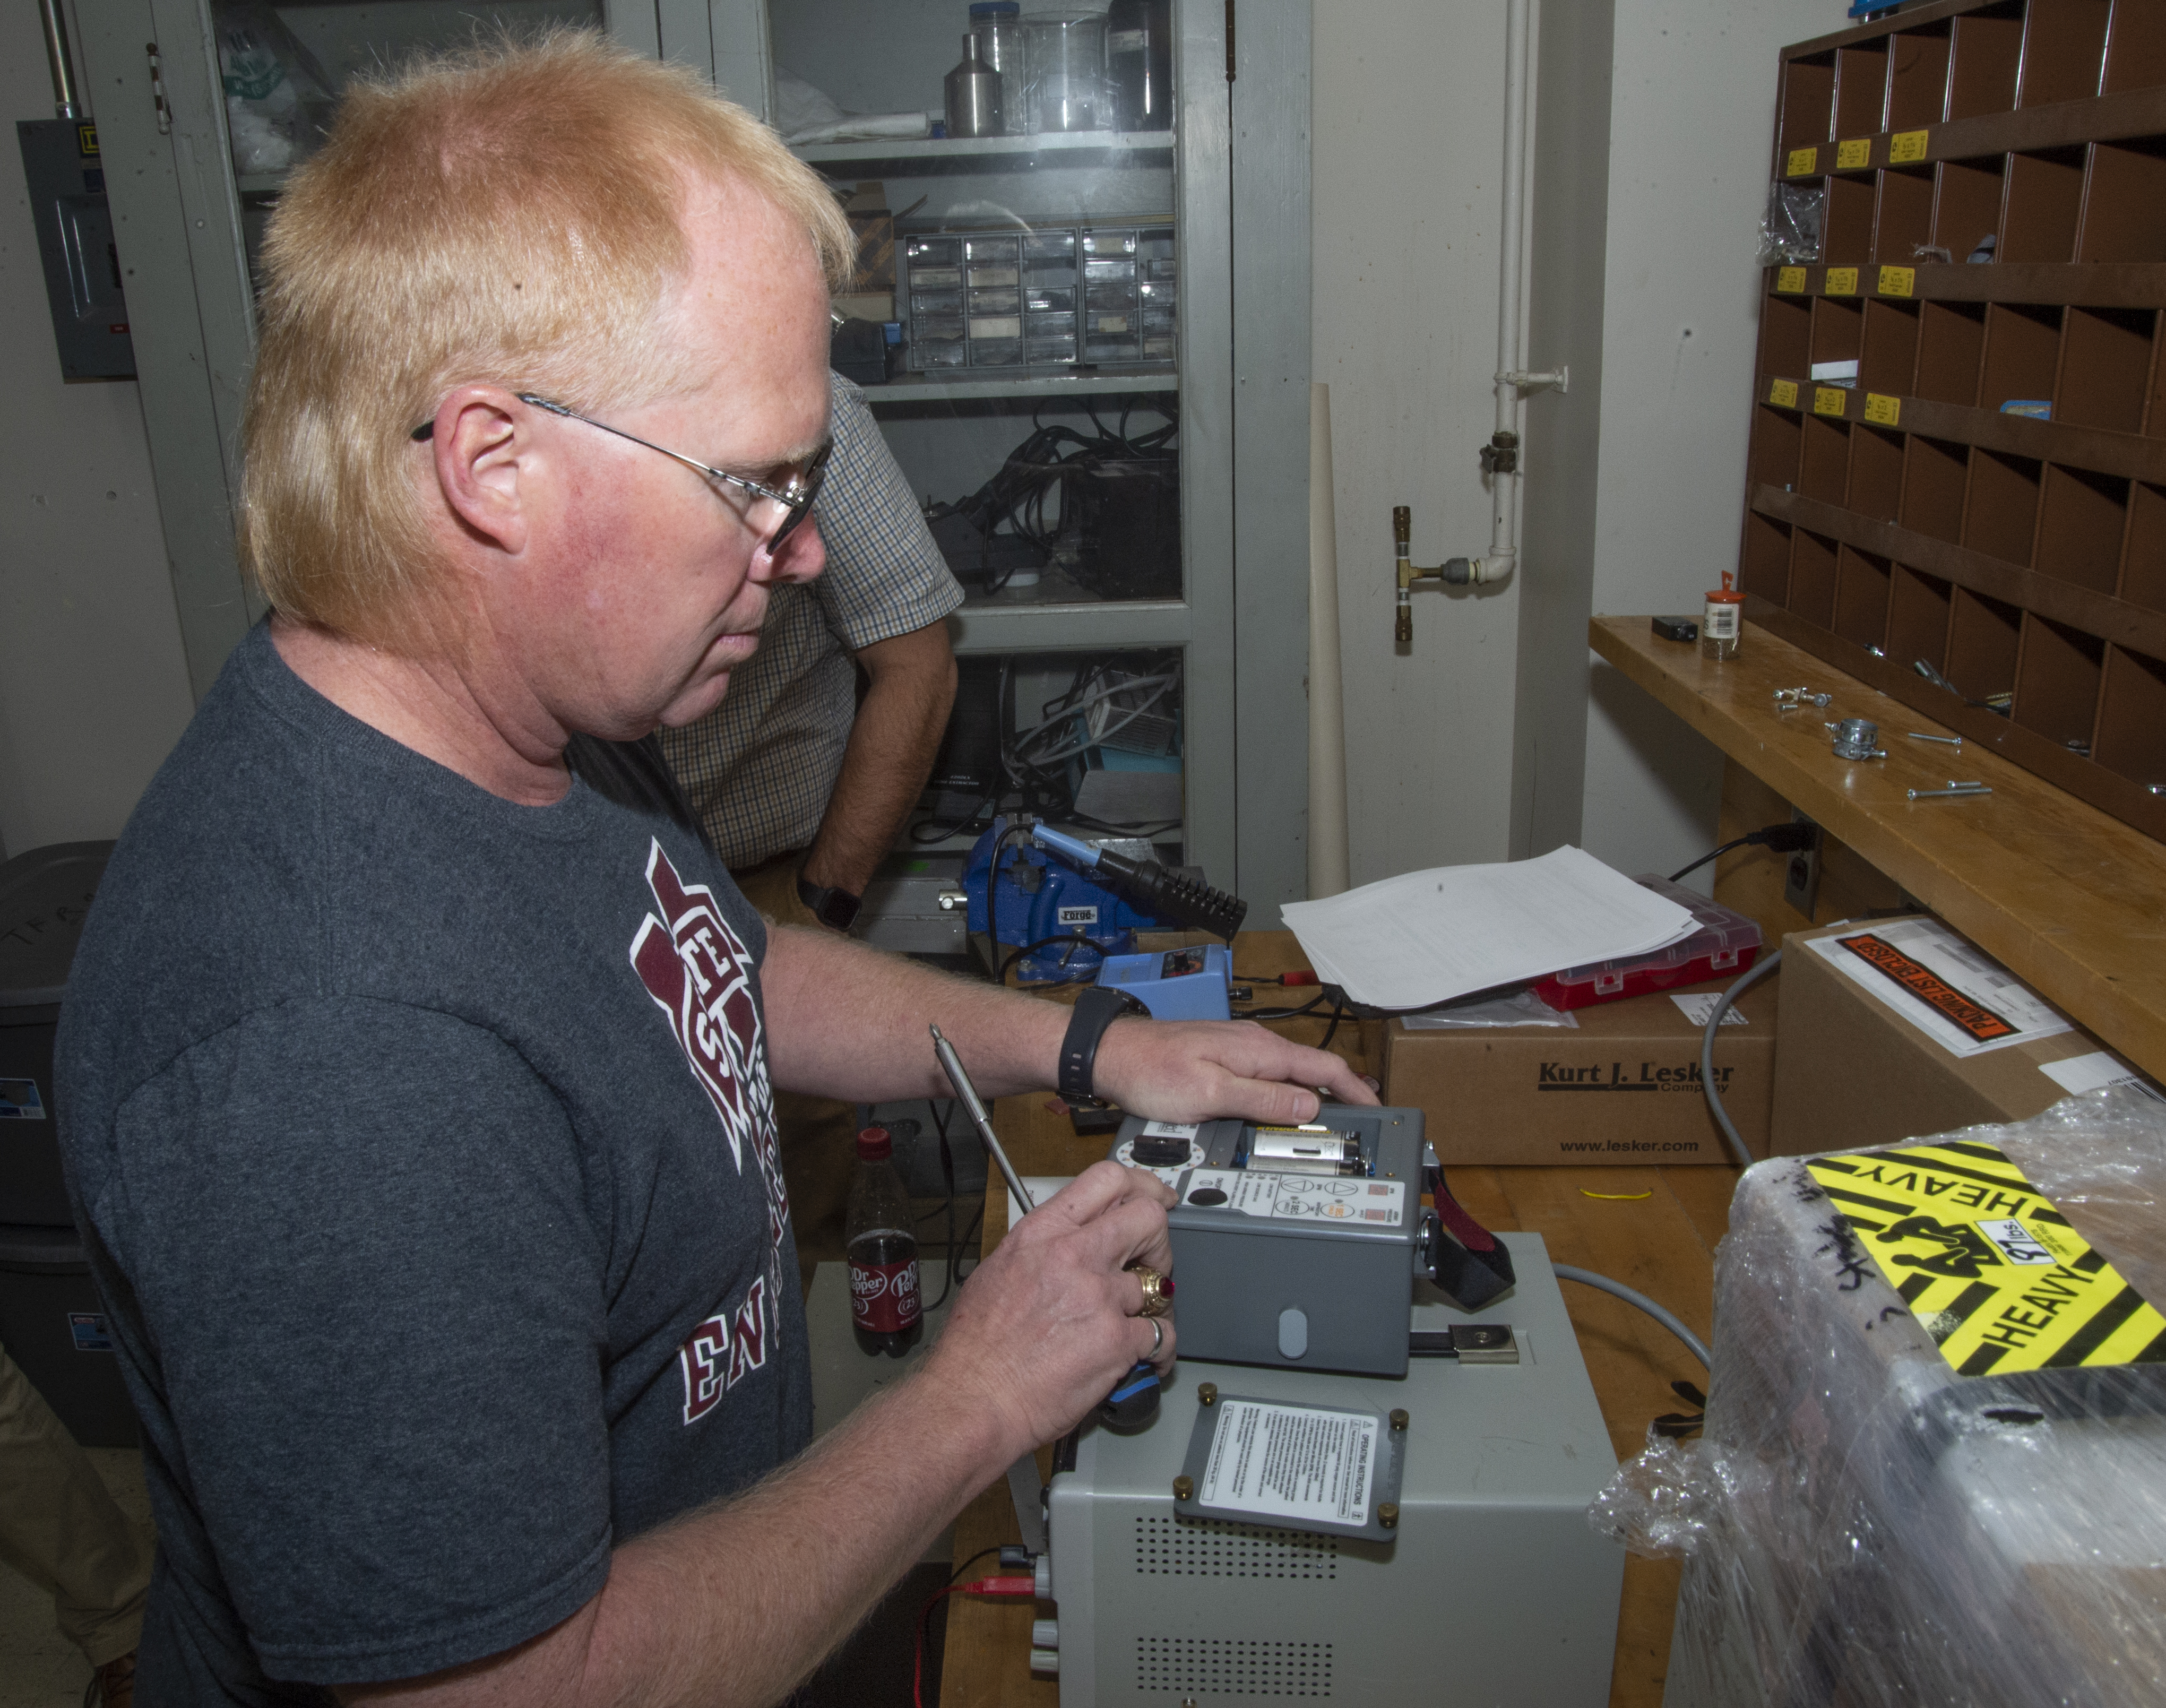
<point x="874" y="1146"/>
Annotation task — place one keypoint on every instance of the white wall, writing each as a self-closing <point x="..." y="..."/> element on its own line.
<point x="1692" y="113"/>
<point x="1409" y="111"/>
<point x="93" y="689"/>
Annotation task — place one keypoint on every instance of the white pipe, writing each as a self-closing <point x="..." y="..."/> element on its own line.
<point x="1328" y="859"/>
<point x="1504" y="554"/>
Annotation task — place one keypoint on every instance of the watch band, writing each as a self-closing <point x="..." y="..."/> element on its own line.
<point x="836" y="909"/>
<point x="1095" y="1009"/>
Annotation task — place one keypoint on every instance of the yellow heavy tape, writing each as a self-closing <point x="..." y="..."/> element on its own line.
<point x="1990" y="1269"/>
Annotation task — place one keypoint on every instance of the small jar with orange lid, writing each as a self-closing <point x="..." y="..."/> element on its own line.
<point x="1722" y="624"/>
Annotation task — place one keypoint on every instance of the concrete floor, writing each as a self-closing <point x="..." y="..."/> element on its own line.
<point x="39" y="1667"/>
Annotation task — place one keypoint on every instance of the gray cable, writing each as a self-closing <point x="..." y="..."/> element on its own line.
<point x="1760" y="969"/>
<point x="1587" y="1277"/>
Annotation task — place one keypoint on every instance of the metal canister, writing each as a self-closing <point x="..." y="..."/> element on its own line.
<point x="973" y="96"/>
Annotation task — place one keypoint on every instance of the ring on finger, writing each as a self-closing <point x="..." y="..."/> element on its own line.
<point x="1158" y="1290"/>
<point x="1158" y="1335"/>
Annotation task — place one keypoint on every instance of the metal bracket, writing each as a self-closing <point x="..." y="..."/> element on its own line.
<point x="1501" y="455"/>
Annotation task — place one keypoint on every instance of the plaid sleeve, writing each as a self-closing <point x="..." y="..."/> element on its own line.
<point x="884" y="577"/>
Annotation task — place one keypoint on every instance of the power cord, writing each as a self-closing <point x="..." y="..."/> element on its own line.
<point x="1617" y="1290"/>
<point x="1783" y="838"/>
<point x="1759" y="970"/>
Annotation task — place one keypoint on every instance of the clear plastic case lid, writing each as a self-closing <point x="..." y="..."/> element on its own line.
<point x="1724" y="936"/>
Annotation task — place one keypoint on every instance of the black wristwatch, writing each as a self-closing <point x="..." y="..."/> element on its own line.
<point x="1095" y="1009"/>
<point x="835" y="908"/>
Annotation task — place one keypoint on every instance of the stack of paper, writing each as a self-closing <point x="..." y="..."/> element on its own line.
<point x="1427" y="937"/>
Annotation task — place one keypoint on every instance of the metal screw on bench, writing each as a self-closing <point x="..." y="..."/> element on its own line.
<point x="1857" y="738"/>
<point x="1954" y="790"/>
<point x="1953" y="741"/>
<point x="1790" y="699"/>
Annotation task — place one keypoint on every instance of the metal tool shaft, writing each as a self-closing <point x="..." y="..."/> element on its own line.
<point x="1953" y="741"/>
<point x="952" y="1065"/>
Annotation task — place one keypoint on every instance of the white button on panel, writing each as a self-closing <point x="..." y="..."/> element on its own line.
<point x="1293" y="1333"/>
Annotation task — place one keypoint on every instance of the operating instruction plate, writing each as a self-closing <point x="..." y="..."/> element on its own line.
<point x="1309" y="1467"/>
<point x="1990" y="1268"/>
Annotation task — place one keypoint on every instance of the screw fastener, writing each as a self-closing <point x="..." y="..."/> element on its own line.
<point x="1184" y="1488"/>
<point x="1207" y="1394"/>
<point x="1387" y="1514"/>
<point x="1399" y="1419"/>
<point x="1945" y="794"/>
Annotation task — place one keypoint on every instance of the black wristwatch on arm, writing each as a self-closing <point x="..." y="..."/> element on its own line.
<point x="836" y="909"/>
<point x="1095" y="1009"/>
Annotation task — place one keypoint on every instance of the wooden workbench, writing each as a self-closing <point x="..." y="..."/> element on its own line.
<point x="1662" y="1243"/>
<point x="2072" y="901"/>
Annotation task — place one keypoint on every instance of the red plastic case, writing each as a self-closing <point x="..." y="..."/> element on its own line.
<point x="1726" y="943"/>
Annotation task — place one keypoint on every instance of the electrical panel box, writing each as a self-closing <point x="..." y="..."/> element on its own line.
<point x="1492" y="1587"/>
<point x="67" y="180"/>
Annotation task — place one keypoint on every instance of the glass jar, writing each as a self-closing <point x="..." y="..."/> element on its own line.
<point x="1065" y="71"/>
<point x="1722" y="624"/>
<point x="997" y="24"/>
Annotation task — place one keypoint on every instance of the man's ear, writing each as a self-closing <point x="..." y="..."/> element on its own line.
<point x="486" y="464"/>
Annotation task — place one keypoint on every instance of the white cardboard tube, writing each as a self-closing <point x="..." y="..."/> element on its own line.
<point x="1328" y="857"/>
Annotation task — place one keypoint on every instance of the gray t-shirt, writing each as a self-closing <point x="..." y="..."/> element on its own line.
<point x="424" y="1149"/>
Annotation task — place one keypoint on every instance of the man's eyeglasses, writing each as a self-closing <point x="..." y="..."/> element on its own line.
<point x="795" y="496"/>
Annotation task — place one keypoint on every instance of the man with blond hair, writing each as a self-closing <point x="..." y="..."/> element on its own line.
<point x="418" y="1099"/>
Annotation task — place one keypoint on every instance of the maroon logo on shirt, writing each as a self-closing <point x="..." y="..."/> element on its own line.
<point x="722" y="1349"/>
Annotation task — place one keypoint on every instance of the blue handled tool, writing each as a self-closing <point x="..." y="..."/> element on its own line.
<point x="1134" y="1400"/>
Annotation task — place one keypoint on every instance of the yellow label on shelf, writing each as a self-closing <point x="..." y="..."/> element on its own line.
<point x="1802" y="161"/>
<point x="1989" y="1266"/>
<point x="1906" y="146"/>
<point x="1829" y="399"/>
<point x="1898" y="281"/>
<point x="1783" y="391"/>
<point x="1841" y="282"/>
<point x="1850" y="157"/>
<point x="1789" y="278"/>
<point x="1886" y="410"/>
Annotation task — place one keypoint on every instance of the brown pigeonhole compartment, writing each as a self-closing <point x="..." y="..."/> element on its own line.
<point x="2044" y="202"/>
<point x="1918" y="618"/>
<point x="1989" y="45"/>
<point x="1808" y="101"/>
<point x="2105" y="362"/>
<point x="2082" y="518"/>
<point x="1876" y="473"/>
<point x="1838" y="331"/>
<point x="1982" y="635"/>
<point x="1812" y="577"/>
<point x="1847" y="228"/>
<point x="1861" y="88"/>
<point x="1786" y="337"/>
<point x="1902" y="221"/>
<point x="1951" y="349"/>
<point x="1826" y="469"/>
<point x="2022" y="351"/>
<point x="2143" y="562"/>
<point x="1776" y="436"/>
<point x="2000" y="511"/>
<point x="2132" y="724"/>
<point x="1861" y="597"/>
<point x="2134" y="47"/>
<point x="1917" y="76"/>
<point x="1967" y="199"/>
<point x="1934" y="474"/>
<point x="2124" y="199"/>
<point x="1890" y="361"/>
<point x="2056" y="682"/>
<point x="1763" y="564"/>
<point x="2063" y="45"/>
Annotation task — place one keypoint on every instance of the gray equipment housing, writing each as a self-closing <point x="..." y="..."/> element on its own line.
<point x="1297" y="1291"/>
<point x="1494" y="1589"/>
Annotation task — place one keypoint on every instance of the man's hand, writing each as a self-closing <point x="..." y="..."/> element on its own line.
<point x="1049" y="1324"/>
<point x="1201" y="1070"/>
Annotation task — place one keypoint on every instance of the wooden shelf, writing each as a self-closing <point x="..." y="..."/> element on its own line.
<point x="2139" y="113"/>
<point x="2070" y="900"/>
<point x="2095" y="284"/>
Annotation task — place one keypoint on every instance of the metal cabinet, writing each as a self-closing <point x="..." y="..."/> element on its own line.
<point x="1228" y="185"/>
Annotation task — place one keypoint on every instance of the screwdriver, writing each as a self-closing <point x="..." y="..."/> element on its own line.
<point x="1134" y="1400"/>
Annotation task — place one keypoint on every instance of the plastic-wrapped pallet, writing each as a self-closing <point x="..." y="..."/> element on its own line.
<point x="1934" y="1463"/>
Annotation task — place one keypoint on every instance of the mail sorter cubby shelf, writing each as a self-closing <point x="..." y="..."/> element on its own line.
<point x="1961" y="462"/>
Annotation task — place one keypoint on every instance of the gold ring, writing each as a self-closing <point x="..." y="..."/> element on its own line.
<point x="1158" y="1290"/>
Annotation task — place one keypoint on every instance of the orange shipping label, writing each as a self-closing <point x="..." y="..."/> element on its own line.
<point x="1854" y="154"/>
<point x="1929" y="987"/>
<point x="1841" y="282"/>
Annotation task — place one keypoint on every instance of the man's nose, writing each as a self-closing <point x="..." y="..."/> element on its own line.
<point x="803" y="555"/>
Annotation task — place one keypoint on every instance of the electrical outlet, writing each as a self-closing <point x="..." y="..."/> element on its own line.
<point x="1801" y="878"/>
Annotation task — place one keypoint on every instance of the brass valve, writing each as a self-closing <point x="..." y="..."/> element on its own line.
<point x="1453" y="572"/>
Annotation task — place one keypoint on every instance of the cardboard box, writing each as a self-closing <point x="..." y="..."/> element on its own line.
<point x="1850" y="1071"/>
<point x="1624" y="1086"/>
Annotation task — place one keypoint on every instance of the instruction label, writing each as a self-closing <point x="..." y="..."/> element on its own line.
<point x="1789" y="278"/>
<point x="1302" y="1197"/>
<point x="1841" y="282"/>
<point x="1783" y="392"/>
<point x="1898" y="281"/>
<point x="1829" y="399"/>
<point x="1291" y="1462"/>
<point x="1854" y="154"/>
<point x="1906" y="146"/>
<point x="1886" y="410"/>
<point x="1801" y="161"/>
<point x="1989" y="1267"/>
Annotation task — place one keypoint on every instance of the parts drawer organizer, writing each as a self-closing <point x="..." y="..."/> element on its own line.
<point x="1958" y="438"/>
